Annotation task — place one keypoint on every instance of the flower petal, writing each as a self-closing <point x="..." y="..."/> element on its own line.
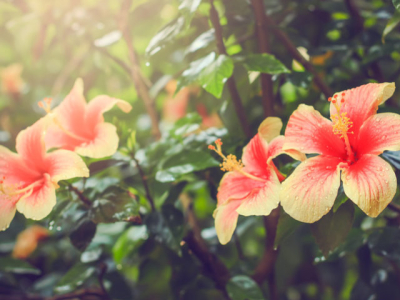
<point x="225" y="220"/>
<point x="65" y="164"/>
<point x="307" y="131"/>
<point x="101" y="104"/>
<point x="370" y="183"/>
<point x="362" y="102"/>
<point x="105" y="142"/>
<point x="39" y="203"/>
<point x="30" y="143"/>
<point x="255" y="156"/>
<point x="275" y="148"/>
<point x="379" y="132"/>
<point x="310" y="191"/>
<point x="261" y="201"/>
<point x="236" y="186"/>
<point x="7" y="211"/>
<point x="270" y="128"/>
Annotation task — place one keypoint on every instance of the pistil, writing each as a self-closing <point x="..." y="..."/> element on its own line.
<point x="230" y="162"/>
<point x="342" y="124"/>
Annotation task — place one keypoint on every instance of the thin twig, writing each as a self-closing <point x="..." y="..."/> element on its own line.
<point x="103" y="270"/>
<point x="394" y="207"/>
<point x="81" y="196"/>
<point x="145" y="185"/>
<point x="266" y="267"/>
<point x="137" y="78"/>
<point x="263" y="46"/>
<point x="284" y="39"/>
<point x="238" y="246"/>
<point x="237" y="101"/>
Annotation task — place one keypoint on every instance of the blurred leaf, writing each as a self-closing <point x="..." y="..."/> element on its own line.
<point x="300" y="79"/>
<point x="211" y="72"/>
<point x="393" y="157"/>
<point x="16" y="266"/>
<point x="108" y="39"/>
<point x="286" y="226"/>
<point x="115" y="205"/>
<point x="391" y="24"/>
<point x="75" y="278"/>
<point x="131" y="239"/>
<point x="188" y="8"/>
<point x="386" y="242"/>
<point x="186" y="125"/>
<point x="332" y="229"/>
<point x="166" y="227"/>
<point x="264" y="63"/>
<point x="82" y="235"/>
<point x="165" y="35"/>
<point x="185" y="163"/>
<point x="242" y="287"/>
<point x="202" y="41"/>
<point x="396" y="4"/>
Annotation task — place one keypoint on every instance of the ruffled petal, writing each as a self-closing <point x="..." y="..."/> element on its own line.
<point x="307" y="131"/>
<point x="255" y="156"/>
<point x="101" y="104"/>
<point x="7" y="211"/>
<point x="64" y="164"/>
<point x="236" y="186"/>
<point x="104" y="143"/>
<point x="38" y="203"/>
<point x="270" y="128"/>
<point x="379" y="132"/>
<point x="30" y="143"/>
<point x="261" y="201"/>
<point x="370" y="183"/>
<point x="225" y="220"/>
<point x="362" y="102"/>
<point x="275" y="148"/>
<point x="310" y="191"/>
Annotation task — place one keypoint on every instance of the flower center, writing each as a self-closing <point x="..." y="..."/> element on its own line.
<point x="46" y="105"/>
<point x="342" y="123"/>
<point x="11" y="190"/>
<point x="230" y="162"/>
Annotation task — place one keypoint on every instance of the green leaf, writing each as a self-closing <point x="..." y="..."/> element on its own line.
<point x="75" y="278"/>
<point x="242" y="287"/>
<point x="167" y="227"/>
<point x="83" y="233"/>
<point x="332" y="229"/>
<point x="211" y="72"/>
<point x="263" y="62"/>
<point x="165" y="35"/>
<point x="286" y="226"/>
<point x="16" y="266"/>
<point x="188" y="8"/>
<point x="130" y="240"/>
<point x="184" y="163"/>
<point x="391" y="24"/>
<point x="115" y="205"/>
<point x="396" y="4"/>
<point x="202" y="41"/>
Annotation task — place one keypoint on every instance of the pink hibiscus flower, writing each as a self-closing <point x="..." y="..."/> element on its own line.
<point x="251" y="186"/>
<point x="80" y="127"/>
<point x="30" y="176"/>
<point x="350" y="143"/>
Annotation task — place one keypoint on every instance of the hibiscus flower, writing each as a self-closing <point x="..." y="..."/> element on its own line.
<point x="30" y="176"/>
<point x="80" y="127"/>
<point x="251" y="186"/>
<point x="349" y="146"/>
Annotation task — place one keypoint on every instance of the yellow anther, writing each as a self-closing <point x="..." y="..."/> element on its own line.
<point x="231" y="163"/>
<point x="46" y="104"/>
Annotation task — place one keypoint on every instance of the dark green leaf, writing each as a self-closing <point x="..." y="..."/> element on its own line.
<point x="286" y="226"/>
<point x="185" y="163"/>
<point x="386" y="242"/>
<point x="115" y="205"/>
<point x="300" y="79"/>
<point x="264" y="63"/>
<point x="16" y="266"/>
<point x="332" y="229"/>
<point x="166" y="227"/>
<point x="391" y="24"/>
<point x="396" y="4"/>
<point x="130" y="240"/>
<point x="82" y="234"/>
<point x="393" y="157"/>
<point x="75" y="278"/>
<point x="242" y="287"/>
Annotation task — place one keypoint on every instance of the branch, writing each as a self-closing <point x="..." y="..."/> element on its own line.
<point x="394" y="207"/>
<point x="266" y="267"/>
<point x="137" y="78"/>
<point x="237" y="101"/>
<point x="144" y="181"/>
<point x="81" y="196"/>
<point x="355" y="16"/>
<point x="263" y="46"/>
<point x="284" y="39"/>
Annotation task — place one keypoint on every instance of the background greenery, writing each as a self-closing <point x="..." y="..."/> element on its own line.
<point x="141" y="226"/>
